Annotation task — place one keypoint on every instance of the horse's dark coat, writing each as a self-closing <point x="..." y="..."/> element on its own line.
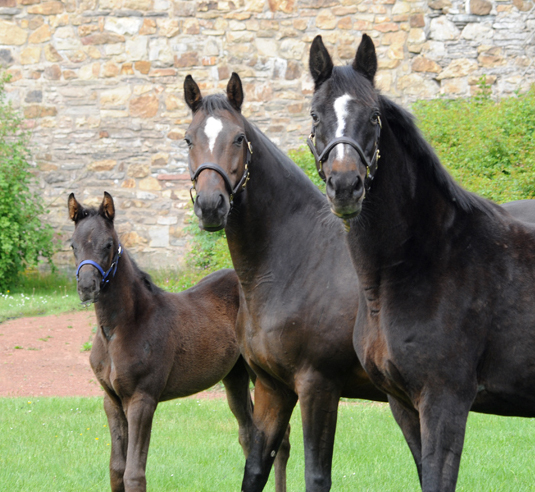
<point x="298" y="305"/>
<point x="153" y="346"/>
<point x="446" y="321"/>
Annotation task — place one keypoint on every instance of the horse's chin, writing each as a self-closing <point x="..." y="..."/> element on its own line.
<point x="346" y="211"/>
<point x="212" y="227"/>
<point x="88" y="299"/>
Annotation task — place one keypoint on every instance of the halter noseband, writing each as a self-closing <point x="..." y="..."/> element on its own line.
<point x="113" y="266"/>
<point x="240" y="185"/>
<point x="371" y="167"/>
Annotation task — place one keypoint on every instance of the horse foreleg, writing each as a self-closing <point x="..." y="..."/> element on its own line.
<point x="273" y="408"/>
<point x="318" y="399"/>
<point x="442" y="422"/>
<point x="139" y="413"/>
<point x="409" y="422"/>
<point x="240" y="403"/>
<point x="119" y="442"/>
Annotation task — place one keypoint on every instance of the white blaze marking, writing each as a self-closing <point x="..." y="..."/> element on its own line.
<point x="340" y="108"/>
<point x="212" y="129"/>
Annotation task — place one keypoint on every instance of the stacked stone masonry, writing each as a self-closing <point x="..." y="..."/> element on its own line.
<point x="100" y="83"/>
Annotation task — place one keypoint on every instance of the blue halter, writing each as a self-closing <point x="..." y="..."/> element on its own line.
<point x="114" y="264"/>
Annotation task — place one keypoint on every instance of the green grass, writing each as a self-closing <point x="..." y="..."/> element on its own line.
<point x="55" y="444"/>
<point x="39" y="294"/>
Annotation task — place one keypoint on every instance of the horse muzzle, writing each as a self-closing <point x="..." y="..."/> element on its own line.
<point x="212" y="210"/>
<point x="345" y="193"/>
<point x="89" y="286"/>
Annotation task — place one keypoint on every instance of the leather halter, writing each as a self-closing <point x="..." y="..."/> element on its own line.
<point x="232" y="191"/>
<point x="371" y="166"/>
<point x="113" y="266"/>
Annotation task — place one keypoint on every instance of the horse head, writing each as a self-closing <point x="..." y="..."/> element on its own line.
<point x="346" y="125"/>
<point x="219" y="152"/>
<point x="95" y="245"/>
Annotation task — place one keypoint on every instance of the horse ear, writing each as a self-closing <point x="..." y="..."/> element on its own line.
<point x="235" y="91"/>
<point x="192" y="93"/>
<point x="320" y="63"/>
<point x="75" y="209"/>
<point x="107" y="208"/>
<point x="365" y="61"/>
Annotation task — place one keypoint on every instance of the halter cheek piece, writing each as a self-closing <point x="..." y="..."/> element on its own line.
<point x="371" y="166"/>
<point x="240" y="185"/>
<point x="105" y="275"/>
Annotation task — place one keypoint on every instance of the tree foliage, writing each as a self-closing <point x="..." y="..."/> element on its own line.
<point x="24" y="238"/>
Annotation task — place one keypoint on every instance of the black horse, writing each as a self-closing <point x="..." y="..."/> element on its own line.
<point x="154" y="346"/>
<point x="446" y="319"/>
<point x="298" y="308"/>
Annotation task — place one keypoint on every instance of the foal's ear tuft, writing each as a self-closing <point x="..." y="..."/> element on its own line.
<point x="107" y="208"/>
<point x="365" y="61"/>
<point x="320" y="63"/>
<point x="235" y="92"/>
<point x="192" y="93"/>
<point x="76" y="211"/>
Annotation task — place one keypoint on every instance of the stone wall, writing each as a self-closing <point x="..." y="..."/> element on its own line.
<point x="100" y="83"/>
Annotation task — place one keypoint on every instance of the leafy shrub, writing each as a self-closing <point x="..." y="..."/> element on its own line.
<point x="23" y="236"/>
<point x="488" y="146"/>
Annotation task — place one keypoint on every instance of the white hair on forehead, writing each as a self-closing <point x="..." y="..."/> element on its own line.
<point x="212" y="129"/>
<point x="340" y="109"/>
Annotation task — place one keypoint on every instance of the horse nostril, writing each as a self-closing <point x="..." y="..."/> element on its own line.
<point x="329" y="188"/>
<point x="358" y="187"/>
<point x="220" y="202"/>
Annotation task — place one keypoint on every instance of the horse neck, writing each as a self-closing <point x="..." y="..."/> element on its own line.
<point x="119" y="298"/>
<point x="404" y="215"/>
<point x="276" y="192"/>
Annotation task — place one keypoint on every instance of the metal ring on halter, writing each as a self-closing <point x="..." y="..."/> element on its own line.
<point x="113" y="266"/>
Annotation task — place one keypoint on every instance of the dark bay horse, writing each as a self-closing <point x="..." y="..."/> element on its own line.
<point x="446" y="320"/>
<point x="154" y="346"/>
<point x="298" y="307"/>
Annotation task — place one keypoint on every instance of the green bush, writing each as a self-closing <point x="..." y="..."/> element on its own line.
<point x="488" y="146"/>
<point x="23" y="236"/>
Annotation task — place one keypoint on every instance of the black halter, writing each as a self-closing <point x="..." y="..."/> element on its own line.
<point x="371" y="166"/>
<point x="240" y="185"/>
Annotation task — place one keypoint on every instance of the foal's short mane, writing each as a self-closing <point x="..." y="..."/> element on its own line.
<point x="211" y="104"/>
<point x="401" y="122"/>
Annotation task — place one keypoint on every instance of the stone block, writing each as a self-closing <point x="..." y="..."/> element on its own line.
<point x="159" y="236"/>
<point x="149" y="184"/>
<point x="148" y="27"/>
<point x="137" y="4"/>
<point x="137" y="48"/>
<point x="189" y="59"/>
<point x="492" y="57"/>
<point x="144" y="106"/>
<point x="128" y="183"/>
<point x="454" y="86"/>
<point x="11" y="34"/>
<point x="416" y="85"/>
<point x="458" y="68"/>
<point x="169" y="27"/>
<point x="40" y="35"/>
<point x="138" y="170"/>
<point x="423" y="64"/>
<point x="114" y="98"/>
<point x="30" y="56"/>
<point x="142" y="67"/>
<point x="176" y="134"/>
<point x="102" y="38"/>
<point x="480" y="7"/>
<point x="442" y="29"/>
<point x="292" y="49"/>
<point x="53" y="72"/>
<point x="46" y="8"/>
<point x="105" y="165"/>
<point x="123" y="25"/>
<point x="51" y="54"/>
<point x="326" y="20"/>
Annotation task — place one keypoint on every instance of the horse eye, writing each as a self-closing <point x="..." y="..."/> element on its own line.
<point x="374" y="118"/>
<point x="109" y="245"/>
<point x="239" y="139"/>
<point x="315" y="118"/>
<point x="188" y="141"/>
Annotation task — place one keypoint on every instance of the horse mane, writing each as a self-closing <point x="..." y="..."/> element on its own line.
<point x="402" y="124"/>
<point x="144" y="277"/>
<point x="212" y="103"/>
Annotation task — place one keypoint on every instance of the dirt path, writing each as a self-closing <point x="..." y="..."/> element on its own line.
<point x="50" y="361"/>
<point x="43" y="356"/>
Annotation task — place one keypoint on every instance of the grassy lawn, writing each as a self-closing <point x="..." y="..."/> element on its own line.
<point x="63" y="445"/>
